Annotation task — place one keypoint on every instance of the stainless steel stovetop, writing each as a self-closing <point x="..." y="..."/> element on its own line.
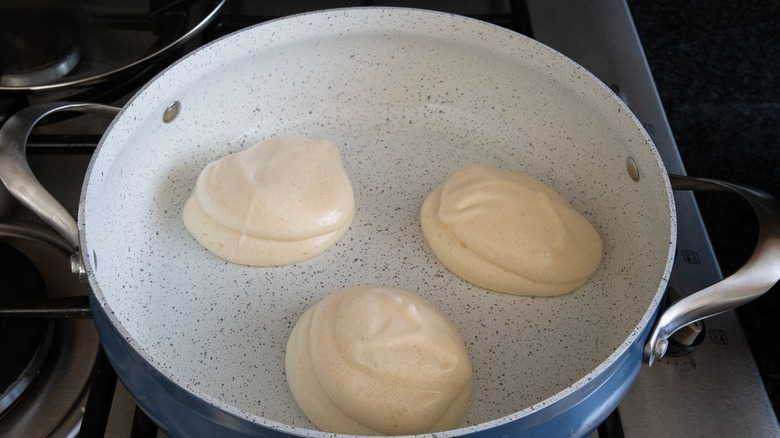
<point x="715" y="391"/>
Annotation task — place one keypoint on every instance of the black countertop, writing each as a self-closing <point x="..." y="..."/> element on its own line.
<point x="716" y="65"/>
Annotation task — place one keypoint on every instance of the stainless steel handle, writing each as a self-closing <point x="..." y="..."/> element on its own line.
<point x="758" y="275"/>
<point x="15" y="172"/>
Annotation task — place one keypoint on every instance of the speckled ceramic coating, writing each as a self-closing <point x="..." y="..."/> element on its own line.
<point x="409" y="97"/>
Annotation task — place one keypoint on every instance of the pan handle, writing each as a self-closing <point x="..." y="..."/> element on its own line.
<point x="21" y="183"/>
<point x="758" y="275"/>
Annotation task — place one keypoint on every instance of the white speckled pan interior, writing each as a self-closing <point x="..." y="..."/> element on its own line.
<point x="409" y="97"/>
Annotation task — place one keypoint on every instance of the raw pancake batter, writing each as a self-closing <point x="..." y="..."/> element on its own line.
<point x="282" y="201"/>
<point x="509" y="233"/>
<point x="378" y="361"/>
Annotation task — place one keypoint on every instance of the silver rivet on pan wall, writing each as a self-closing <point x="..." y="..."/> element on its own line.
<point x="633" y="170"/>
<point x="171" y="111"/>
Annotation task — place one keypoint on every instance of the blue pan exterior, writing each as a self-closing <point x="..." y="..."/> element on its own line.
<point x="179" y="413"/>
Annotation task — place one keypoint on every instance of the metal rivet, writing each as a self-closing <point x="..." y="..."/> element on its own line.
<point x="171" y="112"/>
<point x="633" y="170"/>
<point x="77" y="266"/>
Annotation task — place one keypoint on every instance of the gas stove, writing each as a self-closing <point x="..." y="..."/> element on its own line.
<point x="711" y="390"/>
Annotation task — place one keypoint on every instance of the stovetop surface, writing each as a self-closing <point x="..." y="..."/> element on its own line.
<point x="715" y="66"/>
<point x="692" y="382"/>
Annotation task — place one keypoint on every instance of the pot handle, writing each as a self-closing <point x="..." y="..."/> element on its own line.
<point x="15" y="172"/>
<point x="758" y="275"/>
